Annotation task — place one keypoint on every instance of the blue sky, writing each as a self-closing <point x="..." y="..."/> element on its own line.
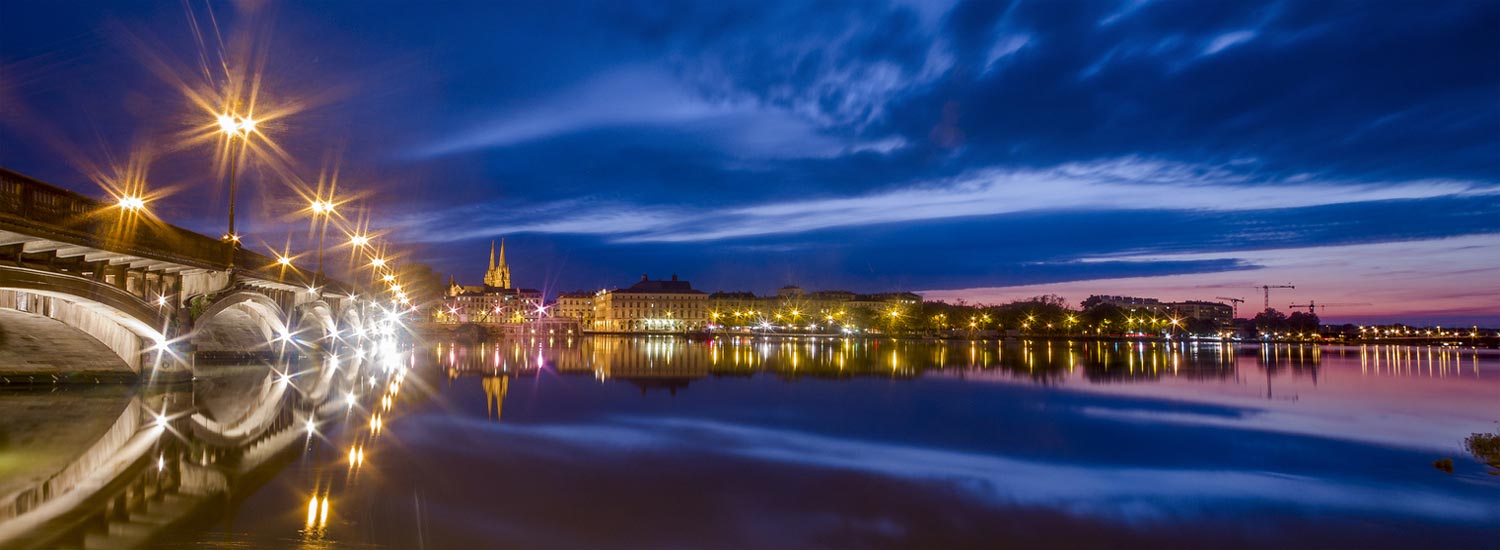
<point x="984" y="150"/>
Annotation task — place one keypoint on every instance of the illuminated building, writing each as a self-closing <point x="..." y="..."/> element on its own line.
<point x="496" y="301"/>
<point x="1217" y="312"/>
<point x="575" y="305"/>
<point x="498" y="276"/>
<point x="1222" y="314"/>
<point x="1133" y="304"/>
<point x="651" y="306"/>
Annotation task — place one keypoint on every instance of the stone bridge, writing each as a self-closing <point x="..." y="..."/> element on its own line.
<point x="91" y="291"/>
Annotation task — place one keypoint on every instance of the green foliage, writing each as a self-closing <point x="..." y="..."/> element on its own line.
<point x="423" y="284"/>
<point x="1200" y="327"/>
<point x="1099" y="313"/>
<point x="1270" y="320"/>
<point x="863" y="317"/>
<point x="1486" y="448"/>
<point x="197" y="306"/>
<point x="1302" y="322"/>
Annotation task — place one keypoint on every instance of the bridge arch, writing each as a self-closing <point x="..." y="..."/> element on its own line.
<point x="243" y="322"/>
<point x="350" y="322"/>
<point x="315" y="323"/>
<point x="123" y="323"/>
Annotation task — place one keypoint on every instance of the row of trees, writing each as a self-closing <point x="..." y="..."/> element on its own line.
<point x="1271" y="321"/>
<point x="1050" y="314"/>
<point x="1042" y="315"/>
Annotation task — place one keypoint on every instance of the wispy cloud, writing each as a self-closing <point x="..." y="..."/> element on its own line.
<point x="645" y="97"/>
<point x="1126" y="9"/>
<point x="1123" y="184"/>
<point x="1227" y="40"/>
<point x="1004" y="47"/>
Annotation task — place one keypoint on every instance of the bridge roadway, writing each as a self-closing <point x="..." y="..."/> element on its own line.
<point x="161" y="299"/>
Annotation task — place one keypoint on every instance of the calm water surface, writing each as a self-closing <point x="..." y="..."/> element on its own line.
<point x="794" y="443"/>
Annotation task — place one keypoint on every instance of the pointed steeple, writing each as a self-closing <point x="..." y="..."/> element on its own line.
<point x="498" y="274"/>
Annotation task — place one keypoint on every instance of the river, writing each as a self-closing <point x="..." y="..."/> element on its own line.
<point x="654" y="442"/>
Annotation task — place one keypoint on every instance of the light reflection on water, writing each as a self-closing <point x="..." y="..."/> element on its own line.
<point x="815" y="442"/>
<point x="1039" y="360"/>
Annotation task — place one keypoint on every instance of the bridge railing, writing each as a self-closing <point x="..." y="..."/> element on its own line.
<point x="45" y="210"/>
<point x="30" y="206"/>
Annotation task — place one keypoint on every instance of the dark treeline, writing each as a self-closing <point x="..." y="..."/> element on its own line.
<point x="1038" y="315"/>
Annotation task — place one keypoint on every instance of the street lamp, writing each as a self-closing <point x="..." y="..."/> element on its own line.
<point x="234" y="126"/>
<point x="323" y="209"/>
<point x="132" y="203"/>
<point x="283" y="262"/>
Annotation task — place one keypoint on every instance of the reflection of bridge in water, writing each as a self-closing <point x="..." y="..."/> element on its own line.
<point x="174" y="452"/>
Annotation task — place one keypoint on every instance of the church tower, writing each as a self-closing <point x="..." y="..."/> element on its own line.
<point x="498" y="275"/>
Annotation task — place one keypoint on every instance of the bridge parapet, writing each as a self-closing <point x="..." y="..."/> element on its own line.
<point x="34" y="208"/>
<point x="38" y="210"/>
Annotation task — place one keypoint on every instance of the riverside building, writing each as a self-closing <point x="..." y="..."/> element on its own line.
<point x="495" y="301"/>
<point x="663" y="306"/>
<point x="575" y="305"/>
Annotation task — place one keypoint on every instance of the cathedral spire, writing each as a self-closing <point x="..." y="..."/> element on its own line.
<point x="498" y="274"/>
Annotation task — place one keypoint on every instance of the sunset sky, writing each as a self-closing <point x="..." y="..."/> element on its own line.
<point x="984" y="151"/>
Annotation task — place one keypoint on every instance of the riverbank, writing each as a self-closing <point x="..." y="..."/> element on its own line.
<point x="449" y="331"/>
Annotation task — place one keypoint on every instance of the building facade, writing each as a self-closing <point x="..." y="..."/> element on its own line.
<point x="495" y="301"/>
<point x="1190" y="309"/>
<point x="1134" y="304"/>
<point x="575" y="305"/>
<point x="651" y="307"/>
<point x="1222" y="314"/>
<point x="498" y="276"/>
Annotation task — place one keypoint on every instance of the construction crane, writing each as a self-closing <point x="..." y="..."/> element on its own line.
<point x="1234" y="304"/>
<point x="1267" y="289"/>
<point x="1313" y="305"/>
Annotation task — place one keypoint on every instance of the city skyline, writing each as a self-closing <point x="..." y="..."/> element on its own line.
<point x="749" y="274"/>
<point x="966" y="150"/>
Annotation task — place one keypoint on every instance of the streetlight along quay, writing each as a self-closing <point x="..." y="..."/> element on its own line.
<point x="321" y="209"/>
<point x="234" y="126"/>
<point x="132" y="203"/>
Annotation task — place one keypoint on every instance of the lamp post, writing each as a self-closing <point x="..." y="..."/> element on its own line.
<point x="232" y="126"/>
<point x="357" y="243"/>
<point x="323" y="209"/>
